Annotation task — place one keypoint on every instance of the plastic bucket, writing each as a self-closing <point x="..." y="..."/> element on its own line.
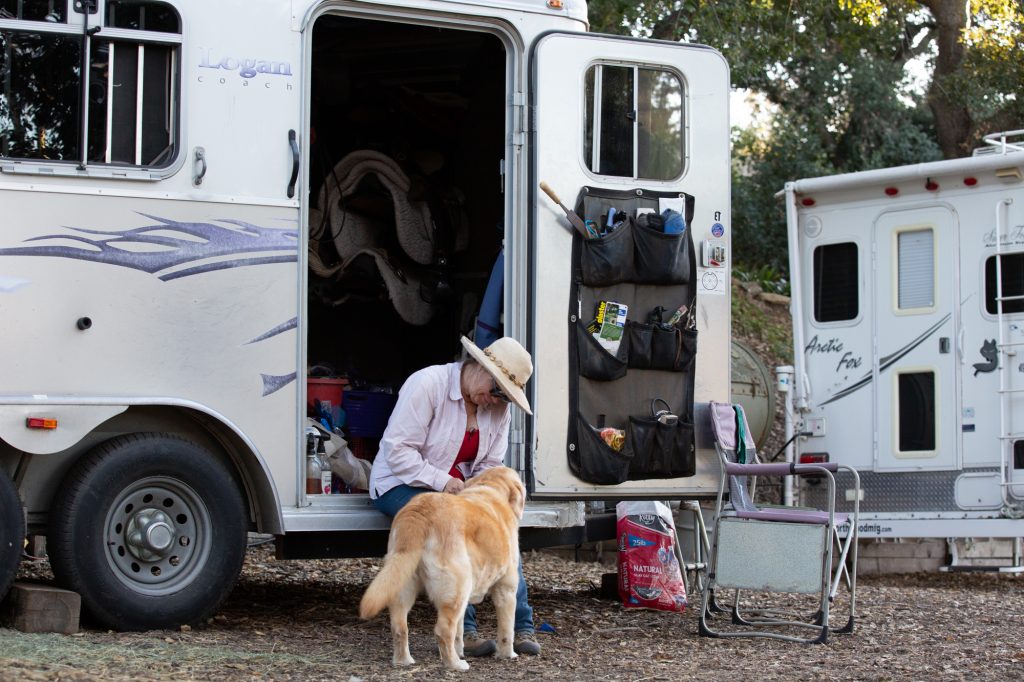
<point x="331" y="390"/>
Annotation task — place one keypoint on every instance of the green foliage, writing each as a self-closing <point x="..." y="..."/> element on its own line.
<point x="751" y="322"/>
<point x="835" y="78"/>
<point x="766" y="277"/>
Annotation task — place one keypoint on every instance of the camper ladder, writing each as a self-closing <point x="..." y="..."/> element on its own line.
<point x="1007" y="350"/>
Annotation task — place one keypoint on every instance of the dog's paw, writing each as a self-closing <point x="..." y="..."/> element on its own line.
<point x="510" y="654"/>
<point x="403" y="661"/>
<point x="458" y="665"/>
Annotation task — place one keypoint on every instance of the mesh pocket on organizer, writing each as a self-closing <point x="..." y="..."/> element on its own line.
<point x="594" y="461"/>
<point x="660" y="258"/>
<point x="653" y="346"/>
<point x="608" y="260"/>
<point x="660" y="450"/>
<point x="597" y="363"/>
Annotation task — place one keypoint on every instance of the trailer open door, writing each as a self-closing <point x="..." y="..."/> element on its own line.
<point x="627" y="118"/>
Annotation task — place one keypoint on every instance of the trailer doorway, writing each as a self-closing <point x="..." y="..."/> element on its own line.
<point x="407" y="203"/>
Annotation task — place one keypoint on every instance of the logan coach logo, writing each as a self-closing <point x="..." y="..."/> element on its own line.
<point x="246" y="67"/>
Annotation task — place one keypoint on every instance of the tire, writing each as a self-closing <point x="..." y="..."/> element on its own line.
<point x="150" y="530"/>
<point x="12" y="532"/>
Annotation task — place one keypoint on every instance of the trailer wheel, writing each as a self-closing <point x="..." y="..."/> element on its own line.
<point x="12" y="532"/>
<point x="150" y="530"/>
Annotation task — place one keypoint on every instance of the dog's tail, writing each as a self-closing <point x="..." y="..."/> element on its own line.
<point x="408" y="533"/>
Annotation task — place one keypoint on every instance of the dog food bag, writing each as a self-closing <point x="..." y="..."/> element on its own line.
<point x="649" y="573"/>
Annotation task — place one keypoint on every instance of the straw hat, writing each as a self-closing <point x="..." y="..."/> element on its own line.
<point x="509" y="364"/>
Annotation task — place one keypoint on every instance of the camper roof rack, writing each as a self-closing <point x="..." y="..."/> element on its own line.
<point x="1001" y="143"/>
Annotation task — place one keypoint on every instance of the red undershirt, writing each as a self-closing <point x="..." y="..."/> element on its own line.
<point x="467" y="453"/>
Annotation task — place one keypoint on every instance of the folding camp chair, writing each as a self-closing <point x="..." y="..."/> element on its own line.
<point x="774" y="549"/>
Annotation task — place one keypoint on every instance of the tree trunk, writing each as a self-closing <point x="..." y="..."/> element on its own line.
<point x="953" y="125"/>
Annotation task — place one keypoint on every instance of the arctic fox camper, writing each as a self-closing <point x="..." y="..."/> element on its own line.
<point x="211" y="206"/>
<point x="908" y="326"/>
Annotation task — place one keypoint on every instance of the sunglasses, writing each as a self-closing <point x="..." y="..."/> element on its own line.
<point x="498" y="393"/>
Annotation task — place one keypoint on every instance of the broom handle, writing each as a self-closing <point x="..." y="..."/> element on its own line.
<point x="551" y="193"/>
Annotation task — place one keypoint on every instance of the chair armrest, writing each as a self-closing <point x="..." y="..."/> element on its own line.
<point x="783" y="469"/>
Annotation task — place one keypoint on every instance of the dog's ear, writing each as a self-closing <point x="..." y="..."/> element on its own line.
<point x="516" y="495"/>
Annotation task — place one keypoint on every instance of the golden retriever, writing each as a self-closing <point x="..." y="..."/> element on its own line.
<point x="457" y="549"/>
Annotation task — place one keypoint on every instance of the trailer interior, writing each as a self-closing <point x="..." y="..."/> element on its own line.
<point x="406" y="199"/>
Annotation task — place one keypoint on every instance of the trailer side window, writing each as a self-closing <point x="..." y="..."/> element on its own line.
<point x="836" y="292"/>
<point x="1012" y="276"/>
<point x="130" y="86"/>
<point x="634" y="122"/>
<point x="916" y="411"/>
<point x="34" y="10"/>
<point x="915" y="269"/>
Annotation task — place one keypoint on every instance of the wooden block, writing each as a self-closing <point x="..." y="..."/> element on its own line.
<point x="41" y="608"/>
<point x="36" y="546"/>
<point x="610" y="586"/>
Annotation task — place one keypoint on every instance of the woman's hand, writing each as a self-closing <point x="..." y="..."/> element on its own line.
<point x="454" y="485"/>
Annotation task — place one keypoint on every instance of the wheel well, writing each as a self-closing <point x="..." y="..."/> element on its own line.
<point x="43" y="473"/>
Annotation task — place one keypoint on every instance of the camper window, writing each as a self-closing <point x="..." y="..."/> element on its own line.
<point x="916" y="411"/>
<point x="131" y="86"/>
<point x="916" y="269"/>
<point x="34" y="10"/>
<point x="1012" y="276"/>
<point x="836" y="291"/>
<point x="634" y="122"/>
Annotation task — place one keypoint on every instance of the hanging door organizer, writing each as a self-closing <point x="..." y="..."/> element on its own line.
<point x="652" y="370"/>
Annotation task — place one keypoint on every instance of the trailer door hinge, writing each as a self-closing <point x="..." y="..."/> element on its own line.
<point x="519" y="122"/>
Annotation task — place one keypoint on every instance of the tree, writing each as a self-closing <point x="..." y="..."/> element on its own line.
<point x="973" y="47"/>
<point x="835" y="73"/>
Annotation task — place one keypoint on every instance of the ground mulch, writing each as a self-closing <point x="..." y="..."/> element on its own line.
<point x="296" y="620"/>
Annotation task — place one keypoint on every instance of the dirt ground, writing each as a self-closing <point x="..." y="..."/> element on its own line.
<point x="296" y="620"/>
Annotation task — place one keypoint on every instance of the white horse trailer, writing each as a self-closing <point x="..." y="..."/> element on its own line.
<point x="908" y="323"/>
<point x="190" y="191"/>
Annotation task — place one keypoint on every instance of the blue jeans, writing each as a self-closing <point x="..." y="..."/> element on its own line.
<point x="393" y="500"/>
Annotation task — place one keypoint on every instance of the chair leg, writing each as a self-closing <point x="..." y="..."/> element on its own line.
<point x="713" y="606"/>
<point x="848" y="628"/>
<point x="702" y="628"/>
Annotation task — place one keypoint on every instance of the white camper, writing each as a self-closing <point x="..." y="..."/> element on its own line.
<point x="203" y="201"/>
<point x="908" y="325"/>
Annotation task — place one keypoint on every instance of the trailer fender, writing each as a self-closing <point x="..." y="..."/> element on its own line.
<point x="73" y="423"/>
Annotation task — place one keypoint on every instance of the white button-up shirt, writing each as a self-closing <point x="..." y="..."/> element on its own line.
<point x="426" y="431"/>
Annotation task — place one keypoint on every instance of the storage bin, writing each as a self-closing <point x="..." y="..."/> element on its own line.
<point x="367" y="412"/>
<point x="318" y="388"/>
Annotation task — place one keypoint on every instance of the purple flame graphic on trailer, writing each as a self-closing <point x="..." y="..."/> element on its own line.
<point x="198" y="241"/>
